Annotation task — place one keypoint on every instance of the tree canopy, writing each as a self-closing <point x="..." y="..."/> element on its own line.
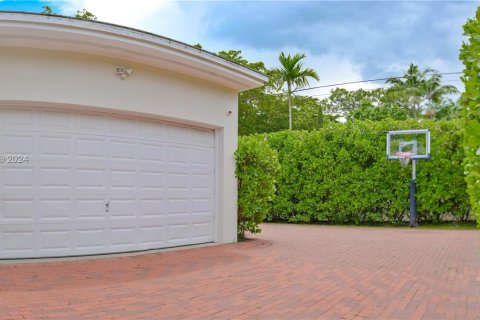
<point x="416" y="94"/>
<point x="85" y="15"/>
<point x="421" y="91"/>
<point x="47" y="10"/>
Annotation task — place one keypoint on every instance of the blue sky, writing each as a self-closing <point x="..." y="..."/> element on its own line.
<point x="344" y="40"/>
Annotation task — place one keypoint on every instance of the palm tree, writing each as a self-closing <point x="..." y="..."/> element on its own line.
<point x="410" y="85"/>
<point x="292" y="73"/>
<point x="433" y="90"/>
<point x="422" y="88"/>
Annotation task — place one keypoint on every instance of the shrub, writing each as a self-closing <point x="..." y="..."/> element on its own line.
<point x="471" y="110"/>
<point x="289" y="178"/>
<point x="256" y="169"/>
<point x="339" y="174"/>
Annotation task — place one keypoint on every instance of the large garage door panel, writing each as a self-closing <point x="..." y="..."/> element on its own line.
<point x="98" y="183"/>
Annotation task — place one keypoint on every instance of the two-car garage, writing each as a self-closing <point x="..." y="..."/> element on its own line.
<point x="94" y="163"/>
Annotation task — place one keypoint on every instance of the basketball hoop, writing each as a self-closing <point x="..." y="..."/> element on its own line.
<point x="404" y="158"/>
<point x="406" y="145"/>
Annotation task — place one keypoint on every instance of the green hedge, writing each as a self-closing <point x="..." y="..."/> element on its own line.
<point x="339" y="174"/>
<point x="471" y="104"/>
<point x="256" y="169"/>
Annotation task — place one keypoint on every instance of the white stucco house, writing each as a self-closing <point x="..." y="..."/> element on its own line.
<point x="113" y="139"/>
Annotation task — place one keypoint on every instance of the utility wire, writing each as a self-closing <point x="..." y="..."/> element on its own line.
<point x="370" y="80"/>
<point x="371" y="89"/>
<point x="345" y="83"/>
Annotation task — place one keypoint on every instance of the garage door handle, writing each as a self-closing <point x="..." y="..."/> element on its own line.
<point x="107" y="205"/>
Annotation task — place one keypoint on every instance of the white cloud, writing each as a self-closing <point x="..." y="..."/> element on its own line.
<point x="167" y="18"/>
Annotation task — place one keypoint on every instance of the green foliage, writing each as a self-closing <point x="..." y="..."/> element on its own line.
<point x="264" y="109"/>
<point x="292" y="72"/>
<point x="47" y="10"/>
<point x="339" y="174"/>
<point x="362" y="104"/>
<point x="307" y="112"/>
<point x="367" y="111"/>
<point x="420" y="91"/>
<point x="85" y="15"/>
<point x="286" y="143"/>
<point x="236" y="56"/>
<point x="257" y="166"/>
<point x="470" y="100"/>
<point x="293" y="75"/>
<point x="446" y="109"/>
<point x="261" y="110"/>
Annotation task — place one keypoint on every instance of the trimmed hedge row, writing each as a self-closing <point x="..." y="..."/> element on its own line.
<point x="339" y="174"/>
<point x="471" y="106"/>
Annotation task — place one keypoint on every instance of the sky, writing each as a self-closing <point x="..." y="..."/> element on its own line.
<point x="344" y="40"/>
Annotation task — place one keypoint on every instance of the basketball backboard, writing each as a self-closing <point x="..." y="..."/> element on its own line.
<point x="413" y="143"/>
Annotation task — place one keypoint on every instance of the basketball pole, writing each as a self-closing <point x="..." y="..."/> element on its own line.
<point x="413" y="200"/>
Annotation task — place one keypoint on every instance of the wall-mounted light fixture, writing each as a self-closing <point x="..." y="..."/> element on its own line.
<point x="123" y="72"/>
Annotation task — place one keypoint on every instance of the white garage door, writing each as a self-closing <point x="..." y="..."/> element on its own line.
<point x="99" y="183"/>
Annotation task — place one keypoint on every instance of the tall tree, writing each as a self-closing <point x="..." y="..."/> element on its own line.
<point x="434" y="92"/>
<point x="422" y="90"/>
<point x="409" y="86"/>
<point x="293" y="74"/>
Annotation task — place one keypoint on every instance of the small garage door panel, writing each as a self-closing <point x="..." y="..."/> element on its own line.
<point x="99" y="183"/>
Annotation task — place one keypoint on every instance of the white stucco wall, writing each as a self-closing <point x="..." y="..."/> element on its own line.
<point x="39" y="77"/>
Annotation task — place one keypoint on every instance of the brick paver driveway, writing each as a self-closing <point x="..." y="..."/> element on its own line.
<point x="288" y="272"/>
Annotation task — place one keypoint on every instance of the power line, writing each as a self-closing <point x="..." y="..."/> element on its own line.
<point x="327" y="94"/>
<point x="456" y="80"/>
<point x="371" y="89"/>
<point x="362" y="81"/>
<point x="351" y="82"/>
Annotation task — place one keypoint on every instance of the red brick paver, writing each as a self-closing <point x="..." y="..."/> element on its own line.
<point x="287" y="272"/>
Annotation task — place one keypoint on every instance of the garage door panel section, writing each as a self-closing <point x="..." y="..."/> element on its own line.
<point x="90" y="208"/>
<point x="153" y="153"/>
<point x="57" y="146"/>
<point x="152" y="208"/>
<point x="17" y="210"/>
<point x="99" y="183"/>
<point x="56" y="209"/>
<point x="17" y="178"/>
<point x="152" y="236"/>
<point x="16" y="119"/>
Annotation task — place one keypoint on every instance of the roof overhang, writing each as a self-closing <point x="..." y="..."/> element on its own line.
<point x="19" y="29"/>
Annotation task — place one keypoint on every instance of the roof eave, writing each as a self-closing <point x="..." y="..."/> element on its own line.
<point x="98" y="38"/>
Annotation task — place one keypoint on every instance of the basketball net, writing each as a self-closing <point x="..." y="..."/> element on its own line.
<point x="404" y="158"/>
